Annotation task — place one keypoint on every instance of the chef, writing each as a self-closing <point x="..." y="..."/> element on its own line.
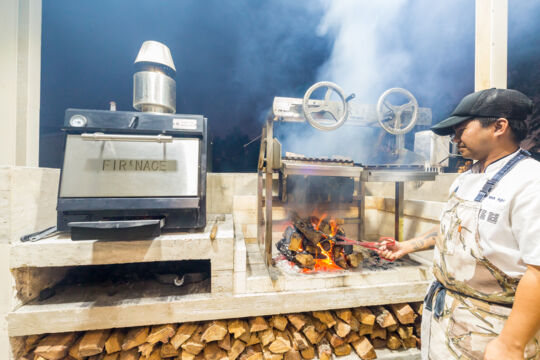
<point x="485" y="301"/>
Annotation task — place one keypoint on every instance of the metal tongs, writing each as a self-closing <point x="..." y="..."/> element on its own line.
<point x="372" y="245"/>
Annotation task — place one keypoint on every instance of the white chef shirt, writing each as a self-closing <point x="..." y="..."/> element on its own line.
<point x="509" y="220"/>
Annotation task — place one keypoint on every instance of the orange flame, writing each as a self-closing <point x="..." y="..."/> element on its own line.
<point x="326" y="264"/>
<point x="320" y="221"/>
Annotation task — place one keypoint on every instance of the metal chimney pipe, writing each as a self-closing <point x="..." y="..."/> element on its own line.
<point x="154" y="87"/>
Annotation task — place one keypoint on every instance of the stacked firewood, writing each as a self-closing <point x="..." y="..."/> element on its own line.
<point x="317" y="334"/>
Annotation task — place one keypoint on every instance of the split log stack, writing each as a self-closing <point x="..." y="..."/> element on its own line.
<point x="310" y="335"/>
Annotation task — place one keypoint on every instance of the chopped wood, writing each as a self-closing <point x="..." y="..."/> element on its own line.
<point x="345" y="315"/>
<point x="333" y="339"/>
<point x="114" y="342"/>
<point x="364" y="348"/>
<point x="392" y="328"/>
<point x="306" y="260"/>
<point x="74" y="350"/>
<point x="236" y="349"/>
<point x="31" y="342"/>
<point x="418" y="307"/>
<point x="96" y="357"/>
<point x="296" y="241"/>
<point x="278" y="322"/>
<point x="292" y="355"/>
<point x="355" y="259"/>
<point x="93" y="342"/>
<point x="342" y="328"/>
<point x="186" y="356"/>
<point x="312" y="334"/>
<point x="281" y="344"/>
<point x="246" y="336"/>
<point x="411" y="342"/>
<point x="155" y="354"/>
<point x="297" y="320"/>
<point x="225" y="343"/>
<point x="161" y="333"/>
<point x="167" y="350"/>
<point x="405" y="332"/>
<point x="194" y="344"/>
<point x="146" y="349"/>
<point x="378" y="343"/>
<point x="113" y="356"/>
<point x="237" y="328"/>
<point x="55" y="346"/>
<point x="298" y="340"/>
<point x="342" y="350"/>
<point x="325" y="317"/>
<point x="183" y="333"/>
<point x="131" y="354"/>
<point x="266" y="337"/>
<point x="213" y="352"/>
<point x="378" y="332"/>
<point x="404" y="313"/>
<point x="135" y="337"/>
<point x="353" y="336"/>
<point x="319" y="326"/>
<point x="268" y="355"/>
<point x="258" y="323"/>
<point x="252" y="353"/>
<point x="324" y="350"/>
<point x="253" y="339"/>
<point x="383" y="317"/>
<point x="393" y="342"/>
<point x="365" y="329"/>
<point x="364" y="315"/>
<point x="308" y="353"/>
<point x="418" y="327"/>
<point x="355" y="324"/>
<point x="214" y="331"/>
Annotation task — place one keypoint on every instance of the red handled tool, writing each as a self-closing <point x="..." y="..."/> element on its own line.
<point x="372" y="245"/>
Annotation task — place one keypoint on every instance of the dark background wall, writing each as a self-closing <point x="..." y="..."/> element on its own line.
<point x="233" y="57"/>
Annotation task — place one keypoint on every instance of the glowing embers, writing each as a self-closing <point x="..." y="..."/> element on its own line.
<point x="310" y="243"/>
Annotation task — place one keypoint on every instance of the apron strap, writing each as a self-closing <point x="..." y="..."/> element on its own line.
<point x="490" y="184"/>
<point x="438" y="290"/>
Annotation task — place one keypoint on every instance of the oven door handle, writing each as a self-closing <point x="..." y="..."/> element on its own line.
<point x="98" y="136"/>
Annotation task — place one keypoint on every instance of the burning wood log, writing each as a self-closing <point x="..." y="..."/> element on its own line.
<point x="355" y="259"/>
<point x="295" y="243"/>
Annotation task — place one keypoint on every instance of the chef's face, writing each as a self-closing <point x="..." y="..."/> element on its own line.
<point x="473" y="140"/>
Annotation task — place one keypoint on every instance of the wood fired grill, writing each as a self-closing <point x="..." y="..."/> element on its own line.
<point x="335" y="184"/>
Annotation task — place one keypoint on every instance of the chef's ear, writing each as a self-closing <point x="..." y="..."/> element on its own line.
<point x="501" y="126"/>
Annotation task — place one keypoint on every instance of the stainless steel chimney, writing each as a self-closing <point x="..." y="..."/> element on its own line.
<point x="154" y="87"/>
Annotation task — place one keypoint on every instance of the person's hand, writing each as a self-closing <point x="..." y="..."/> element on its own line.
<point x="497" y="349"/>
<point x="393" y="252"/>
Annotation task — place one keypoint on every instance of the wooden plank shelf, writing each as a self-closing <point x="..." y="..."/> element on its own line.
<point x="73" y="310"/>
<point x="62" y="251"/>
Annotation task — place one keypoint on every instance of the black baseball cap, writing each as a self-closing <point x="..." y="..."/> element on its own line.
<point x="499" y="103"/>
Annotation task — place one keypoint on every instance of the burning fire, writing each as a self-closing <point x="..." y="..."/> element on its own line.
<point x="326" y="264"/>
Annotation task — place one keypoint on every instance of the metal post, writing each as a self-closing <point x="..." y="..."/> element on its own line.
<point x="268" y="194"/>
<point x="398" y="210"/>
<point x="361" y="192"/>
